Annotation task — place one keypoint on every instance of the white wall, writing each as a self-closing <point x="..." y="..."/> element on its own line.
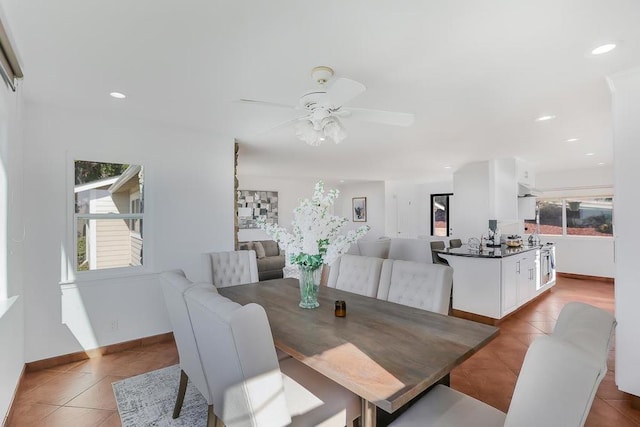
<point x="576" y="254"/>
<point x="189" y="211"/>
<point x="473" y="200"/>
<point x="626" y="150"/>
<point x="290" y="191"/>
<point x="11" y="287"/>
<point x="583" y="255"/>
<point x="576" y="182"/>
<point x="375" y="194"/>
<point x="408" y="206"/>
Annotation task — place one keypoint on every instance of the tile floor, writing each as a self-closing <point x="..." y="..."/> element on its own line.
<point x="80" y="394"/>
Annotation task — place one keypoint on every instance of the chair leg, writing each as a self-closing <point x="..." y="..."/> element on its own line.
<point x="212" y="420"/>
<point x="184" y="378"/>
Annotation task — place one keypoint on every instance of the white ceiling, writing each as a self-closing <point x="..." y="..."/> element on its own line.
<point x="475" y="73"/>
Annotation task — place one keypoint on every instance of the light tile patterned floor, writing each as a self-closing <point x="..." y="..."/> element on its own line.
<point x="80" y="394"/>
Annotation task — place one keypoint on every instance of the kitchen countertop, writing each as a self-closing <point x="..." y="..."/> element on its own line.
<point x="498" y="252"/>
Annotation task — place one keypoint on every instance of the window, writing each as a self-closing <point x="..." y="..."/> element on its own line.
<point x="550" y="214"/>
<point x="580" y="216"/>
<point x="589" y="217"/>
<point x="440" y="214"/>
<point x="108" y="218"/>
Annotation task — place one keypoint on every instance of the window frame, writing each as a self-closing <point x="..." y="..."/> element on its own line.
<point x="564" y="199"/>
<point x="68" y="270"/>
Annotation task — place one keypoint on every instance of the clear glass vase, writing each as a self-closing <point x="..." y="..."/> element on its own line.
<point x="309" y="284"/>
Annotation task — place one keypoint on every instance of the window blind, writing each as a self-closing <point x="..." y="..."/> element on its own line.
<point x="9" y="67"/>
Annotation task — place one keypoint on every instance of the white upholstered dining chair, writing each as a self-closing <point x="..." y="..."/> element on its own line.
<point x="357" y="274"/>
<point x="555" y="388"/>
<point x="248" y="385"/>
<point x="416" y="284"/>
<point x="417" y="250"/>
<point x="233" y="268"/>
<point x="587" y="327"/>
<point x="174" y="286"/>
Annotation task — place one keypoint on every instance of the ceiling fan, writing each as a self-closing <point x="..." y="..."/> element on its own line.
<point x="323" y="108"/>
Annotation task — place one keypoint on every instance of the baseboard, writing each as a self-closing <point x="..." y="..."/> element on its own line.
<point x="635" y="401"/>
<point x="586" y="277"/>
<point x="96" y="352"/>
<point x="490" y="320"/>
<point x="9" y="413"/>
<point x="475" y="317"/>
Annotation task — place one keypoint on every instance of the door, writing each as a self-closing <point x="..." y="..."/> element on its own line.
<point x="440" y="215"/>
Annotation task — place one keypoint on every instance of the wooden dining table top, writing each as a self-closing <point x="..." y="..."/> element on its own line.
<point x="384" y="352"/>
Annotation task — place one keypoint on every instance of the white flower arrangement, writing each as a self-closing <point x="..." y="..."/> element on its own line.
<point x="315" y="238"/>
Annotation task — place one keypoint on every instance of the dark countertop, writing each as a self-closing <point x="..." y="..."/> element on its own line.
<point x="498" y="252"/>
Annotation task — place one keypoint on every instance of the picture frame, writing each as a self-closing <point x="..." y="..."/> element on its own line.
<point x="254" y="204"/>
<point x="359" y="209"/>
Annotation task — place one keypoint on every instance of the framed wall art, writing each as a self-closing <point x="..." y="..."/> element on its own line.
<point x="359" y="209"/>
<point x="252" y="204"/>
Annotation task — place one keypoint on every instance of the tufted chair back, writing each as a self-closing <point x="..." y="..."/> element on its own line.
<point x="357" y="274"/>
<point x="416" y="284"/>
<point x="234" y="268"/>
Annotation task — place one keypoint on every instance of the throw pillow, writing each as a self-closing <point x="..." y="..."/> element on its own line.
<point x="257" y="246"/>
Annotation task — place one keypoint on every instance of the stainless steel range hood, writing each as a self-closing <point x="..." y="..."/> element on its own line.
<point x="527" y="191"/>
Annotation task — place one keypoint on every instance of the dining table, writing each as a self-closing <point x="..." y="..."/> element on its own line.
<point x="386" y="353"/>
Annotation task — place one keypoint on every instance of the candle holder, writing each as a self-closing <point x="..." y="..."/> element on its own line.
<point x="341" y="309"/>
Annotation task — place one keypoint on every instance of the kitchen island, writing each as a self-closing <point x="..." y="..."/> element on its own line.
<point x="490" y="283"/>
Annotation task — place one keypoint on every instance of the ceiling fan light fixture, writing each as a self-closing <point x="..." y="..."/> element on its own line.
<point x="333" y="129"/>
<point x="305" y="132"/>
<point x="326" y="102"/>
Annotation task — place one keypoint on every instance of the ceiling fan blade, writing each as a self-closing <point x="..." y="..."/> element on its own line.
<point x="344" y="90"/>
<point x="264" y="103"/>
<point x="377" y="116"/>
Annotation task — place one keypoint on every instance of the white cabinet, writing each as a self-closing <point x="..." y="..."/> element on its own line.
<point x="526" y="208"/>
<point x="509" y="284"/>
<point x="518" y="281"/>
<point x="494" y="287"/>
<point x="524" y="173"/>
<point x="526" y="277"/>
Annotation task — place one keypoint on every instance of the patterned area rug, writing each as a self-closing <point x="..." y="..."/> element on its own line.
<point x="148" y="399"/>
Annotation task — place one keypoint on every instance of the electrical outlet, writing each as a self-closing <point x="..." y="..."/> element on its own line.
<point x="114" y="325"/>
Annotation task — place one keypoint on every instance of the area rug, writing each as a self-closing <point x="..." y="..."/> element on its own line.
<point x="148" y="400"/>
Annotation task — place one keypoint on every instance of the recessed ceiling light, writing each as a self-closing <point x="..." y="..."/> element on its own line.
<point x="118" y="95"/>
<point x="608" y="47"/>
<point x="342" y="181"/>
<point x="573" y="139"/>
<point x="589" y="154"/>
<point x="447" y="167"/>
<point x="545" y="118"/>
<point x="601" y="163"/>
